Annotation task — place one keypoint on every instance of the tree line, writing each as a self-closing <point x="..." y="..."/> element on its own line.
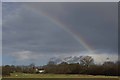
<point x="85" y="66"/>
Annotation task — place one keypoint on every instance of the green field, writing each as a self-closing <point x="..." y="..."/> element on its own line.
<point x="17" y="76"/>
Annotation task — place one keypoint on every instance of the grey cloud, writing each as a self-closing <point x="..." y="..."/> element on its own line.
<point x="36" y="33"/>
<point x="29" y="28"/>
<point x="96" y="22"/>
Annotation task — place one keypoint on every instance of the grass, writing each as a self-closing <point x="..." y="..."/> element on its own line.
<point x="23" y="75"/>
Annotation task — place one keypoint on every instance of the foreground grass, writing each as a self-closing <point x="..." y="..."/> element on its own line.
<point x="23" y="75"/>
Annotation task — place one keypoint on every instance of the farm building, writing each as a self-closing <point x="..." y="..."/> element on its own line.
<point x="39" y="70"/>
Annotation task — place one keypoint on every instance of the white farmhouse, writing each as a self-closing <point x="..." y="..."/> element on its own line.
<point x="40" y="70"/>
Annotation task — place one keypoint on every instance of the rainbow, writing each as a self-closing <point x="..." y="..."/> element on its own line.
<point x="73" y="33"/>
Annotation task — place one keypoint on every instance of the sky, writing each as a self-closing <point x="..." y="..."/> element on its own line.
<point x="60" y="0"/>
<point x="35" y="32"/>
<point x="0" y="34"/>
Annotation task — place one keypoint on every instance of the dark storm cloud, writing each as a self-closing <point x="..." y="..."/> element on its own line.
<point x="36" y="33"/>
<point x="96" y="22"/>
<point x="29" y="31"/>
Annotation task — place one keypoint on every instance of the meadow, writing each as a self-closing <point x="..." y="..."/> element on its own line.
<point x="22" y="76"/>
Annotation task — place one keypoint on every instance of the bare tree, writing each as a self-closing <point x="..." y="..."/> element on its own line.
<point x="86" y="60"/>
